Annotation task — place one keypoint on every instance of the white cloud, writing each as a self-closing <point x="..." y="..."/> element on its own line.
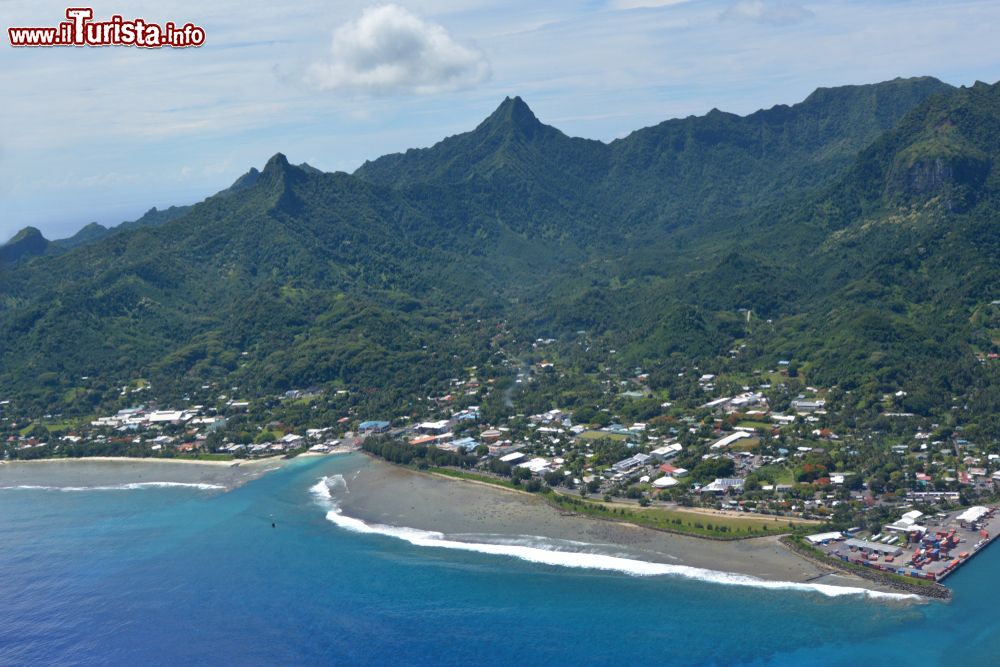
<point x="775" y="12"/>
<point x="389" y="50"/>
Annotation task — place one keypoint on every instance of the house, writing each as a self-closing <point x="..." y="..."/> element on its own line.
<point x="617" y="429"/>
<point x="673" y="471"/>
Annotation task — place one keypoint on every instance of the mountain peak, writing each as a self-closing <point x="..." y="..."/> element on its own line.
<point x="28" y="234"/>
<point x="513" y="113"/>
<point x="278" y="162"/>
<point x="26" y="243"/>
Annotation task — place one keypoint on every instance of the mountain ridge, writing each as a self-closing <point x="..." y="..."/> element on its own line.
<point x="655" y="242"/>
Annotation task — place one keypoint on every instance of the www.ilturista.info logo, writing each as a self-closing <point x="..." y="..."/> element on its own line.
<point x="81" y="30"/>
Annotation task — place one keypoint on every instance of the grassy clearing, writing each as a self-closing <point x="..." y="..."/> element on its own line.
<point x="763" y="426"/>
<point x="675" y="521"/>
<point x="474" y="477"/>
<point x="780" y="474"/>
<point x="601" y="435"/>
<point x="679" y="521"/>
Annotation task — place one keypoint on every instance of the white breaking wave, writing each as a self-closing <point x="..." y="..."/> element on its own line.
<point x="592" y="561"/>
<point x="117" y="487"/>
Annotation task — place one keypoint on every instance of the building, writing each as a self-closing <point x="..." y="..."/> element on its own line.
<point x="874" y="547"/>
<point x="667" y="451"/>
<point x="730" y="439"/>
<point x="537" y="466"/>
<point x="373" y="427"/>
<point x="723" y="485"/>
<point x="973" y="514"/>
<point x="434" y="428"/>
<point x="631" y="463"/>
<point x="466" y="444"/>
<point x="802" y="405"/>
<point x="908" y="523"/>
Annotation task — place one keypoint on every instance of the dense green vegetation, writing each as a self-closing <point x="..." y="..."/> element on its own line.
<point x="853" y="233"/>
<point x="398" y="451"/>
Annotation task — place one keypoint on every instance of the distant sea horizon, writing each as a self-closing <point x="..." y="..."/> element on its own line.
<point x="165" y="572"/>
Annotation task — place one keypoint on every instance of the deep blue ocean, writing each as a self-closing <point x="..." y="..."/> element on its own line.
<point x="167" y="576"/>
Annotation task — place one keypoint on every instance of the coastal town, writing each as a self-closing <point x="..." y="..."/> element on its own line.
<point x="778" y="448"/>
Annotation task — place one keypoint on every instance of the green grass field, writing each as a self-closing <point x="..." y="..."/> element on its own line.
<point x="764" y="426"/>
<point x="601" y="435"/>
<point x="676" y="521"/>
<point x="685" y="522"/>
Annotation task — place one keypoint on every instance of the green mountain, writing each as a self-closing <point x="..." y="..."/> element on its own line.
<point x="903" y="250"/>
<point x="27" y="243"/>
<point x="88" y="234"/>
<point x="850" y="233"/>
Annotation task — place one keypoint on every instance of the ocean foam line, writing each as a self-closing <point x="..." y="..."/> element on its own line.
<point x="593" y="561"/>
<point x="116" y="487"/>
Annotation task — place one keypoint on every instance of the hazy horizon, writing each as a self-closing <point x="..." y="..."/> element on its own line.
<point x="103" y="134"/>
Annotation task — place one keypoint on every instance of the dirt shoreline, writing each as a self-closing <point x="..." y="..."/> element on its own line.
<point x="146" y="459"/>
<point x="113" y="471"/>
<point x="383" y="493"/>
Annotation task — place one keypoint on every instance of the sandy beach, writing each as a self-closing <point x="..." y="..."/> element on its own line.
<point x="109" y="471"/>
<point x="385" y="494"/>
<point x="339" y="449"/>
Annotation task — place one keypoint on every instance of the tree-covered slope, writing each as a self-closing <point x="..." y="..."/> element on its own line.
<point x="24" y="245"/>
<point x="853" y="233"/>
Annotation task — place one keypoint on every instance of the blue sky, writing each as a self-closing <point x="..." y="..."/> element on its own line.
<point x="102" y="134"/>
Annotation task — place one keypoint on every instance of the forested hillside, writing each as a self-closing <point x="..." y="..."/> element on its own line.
<point x="853" y="233"/>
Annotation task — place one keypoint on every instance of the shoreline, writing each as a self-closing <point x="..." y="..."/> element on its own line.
<point x="231" y="463"/>
<point x="381" y="494"/>
<point x="124" y="472"/>
<point x="936" y="592"/>
<point x="339" y="449"/>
